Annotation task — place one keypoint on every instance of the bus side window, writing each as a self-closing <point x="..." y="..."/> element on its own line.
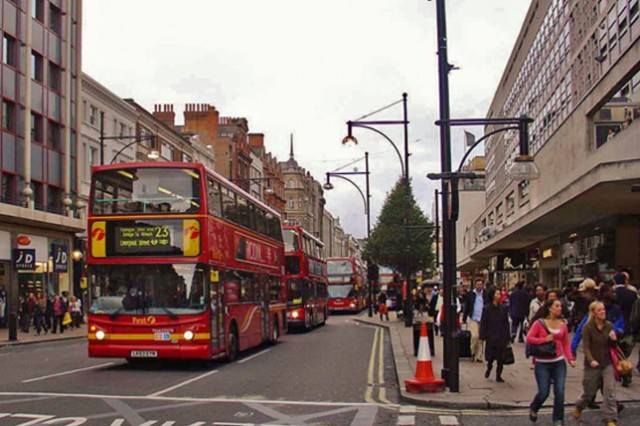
<point x="213" y="198"/>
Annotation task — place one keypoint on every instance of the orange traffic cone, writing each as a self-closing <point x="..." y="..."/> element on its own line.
<point x="424" y="381"/>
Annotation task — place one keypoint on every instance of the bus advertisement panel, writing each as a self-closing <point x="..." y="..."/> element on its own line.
<point x="181" y="264"/>
<point x="306" y="279"/>
<point x="347" y="279"/>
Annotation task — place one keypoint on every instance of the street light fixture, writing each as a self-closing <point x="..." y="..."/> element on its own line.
<point x="523" y="168"/>
<point x="404" y="164"/>
<point x="152" y="155"/>
<point x="366" y="199"/>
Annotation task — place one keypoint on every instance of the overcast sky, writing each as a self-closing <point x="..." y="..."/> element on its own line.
<point x="306" y="67"/>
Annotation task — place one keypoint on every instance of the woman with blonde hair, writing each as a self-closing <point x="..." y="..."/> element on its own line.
<point x="598" y="334"/>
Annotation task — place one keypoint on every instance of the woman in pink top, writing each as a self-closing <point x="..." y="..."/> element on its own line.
<point x="553" y="369"/>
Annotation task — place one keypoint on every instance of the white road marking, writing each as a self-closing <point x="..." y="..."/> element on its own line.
<point x="179" y="385"/>
<point x="408" y="409"/>
<point x="64" y="373"/>
<point x="448" y="420"/>
<point x="406" y="420"/>
<point x="193" y="399"/>
<point x="253" y="356"/>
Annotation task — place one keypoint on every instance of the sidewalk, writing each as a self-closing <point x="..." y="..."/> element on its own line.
<point x="31" y="337"/>
<point x="476" y="391"/>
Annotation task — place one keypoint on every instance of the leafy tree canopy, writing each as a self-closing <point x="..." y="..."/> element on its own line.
<point x="388" y="246"/>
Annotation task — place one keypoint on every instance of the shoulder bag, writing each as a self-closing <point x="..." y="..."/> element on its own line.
<point x="544" y="350"/>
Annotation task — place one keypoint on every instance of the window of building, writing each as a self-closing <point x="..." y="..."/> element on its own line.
<point x="54" y="137"/>
<point x="510" y="203"/>
<point x="491" y="219"/>
<point x="37" y="128"/>
<point x="55" y="77"/>
<point x="38" y="195"/>
<point x="186" y="158"/>
<point x="55" y="196"/>
<point x="523" y="191"/>
<point x="93" y="115"/>
<point x="166" y="151"/>
<point x="123" y="130"/>
<point x="10" y="51"/>
<point x="37" y="9"/>
<point x="9" y="117"/>
<point x="55" y="19"/>
<point x="37" y="66"/>
<point x="8" y="188"/>
<point x="499" y="213"/>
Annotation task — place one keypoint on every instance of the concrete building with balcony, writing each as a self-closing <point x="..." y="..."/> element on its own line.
<point x="40" y="212"/>
<point x="575" y="70"/>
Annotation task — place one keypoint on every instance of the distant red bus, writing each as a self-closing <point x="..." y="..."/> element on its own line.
<point x="306" y="279"/>
<point x="181" y="264"/>
<point x="347" y="289"/>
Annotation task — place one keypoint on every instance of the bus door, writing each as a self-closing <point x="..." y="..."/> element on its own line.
<point x="217" y="313"/>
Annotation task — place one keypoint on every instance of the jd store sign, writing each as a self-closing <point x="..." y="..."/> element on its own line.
<point x="24" y="259"/>
<point x="60" y="257"/>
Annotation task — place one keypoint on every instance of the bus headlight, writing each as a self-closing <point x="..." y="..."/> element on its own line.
<point x="295" y="314"/>
<point x="100" y="335"/>
<point x="188" y="335"/>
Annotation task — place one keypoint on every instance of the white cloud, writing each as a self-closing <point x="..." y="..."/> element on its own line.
<point x="302" y="67"/>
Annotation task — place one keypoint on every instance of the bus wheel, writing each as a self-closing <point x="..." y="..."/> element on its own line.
<point x="275" y="334"/>
<point x="233" y="344"/>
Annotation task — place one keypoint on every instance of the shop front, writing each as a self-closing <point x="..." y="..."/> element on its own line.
<point x="509" y="268"/>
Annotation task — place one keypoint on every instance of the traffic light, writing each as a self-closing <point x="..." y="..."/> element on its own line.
<point x="373" y="272"/>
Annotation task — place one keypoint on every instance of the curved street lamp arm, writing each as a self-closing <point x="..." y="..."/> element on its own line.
<point x="466" y="154"/>
<point x="364" y="200"/>
<point x="138" y="140"/>
<point x="354" y="124"/>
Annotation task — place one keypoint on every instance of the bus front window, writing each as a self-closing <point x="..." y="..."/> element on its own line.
<point x="149" y="289"/>
<point x="341" y="291"/>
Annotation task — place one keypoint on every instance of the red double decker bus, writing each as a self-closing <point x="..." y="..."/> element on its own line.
<point x="347" y="289"/>
<point x="182" y="264"/>
<point x="306" y="278"/>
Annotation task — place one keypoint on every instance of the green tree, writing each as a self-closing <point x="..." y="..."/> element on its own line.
<point x="387" y="245"/>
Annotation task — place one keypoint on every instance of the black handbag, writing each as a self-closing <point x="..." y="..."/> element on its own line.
<point x="544" y="350"/>
<point x="508" y="358"/>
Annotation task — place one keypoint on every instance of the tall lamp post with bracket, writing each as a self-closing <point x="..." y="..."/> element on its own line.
<point x="404" y="163"/>
<point x="523" y="168"/>
<point x="366" y="199"/>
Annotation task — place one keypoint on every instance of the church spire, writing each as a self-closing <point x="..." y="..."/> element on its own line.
<point x="292" y="163"/>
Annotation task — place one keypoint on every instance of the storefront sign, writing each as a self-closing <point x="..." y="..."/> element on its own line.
<point x="516" y="261"/>
<point x="24" y="259"/>
<point x="547" y="253"/>
<point x="60" y="257"/>
<point x="23" y="240"/>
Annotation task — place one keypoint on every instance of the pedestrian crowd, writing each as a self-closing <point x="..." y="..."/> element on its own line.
<point x="55" y="313"/>
<point x="601" y="315"/>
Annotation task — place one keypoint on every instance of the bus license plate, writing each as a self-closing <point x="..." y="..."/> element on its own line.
<point x="144" y="354"/>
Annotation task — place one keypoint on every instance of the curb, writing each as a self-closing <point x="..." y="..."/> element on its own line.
<point x="7" y="343"/>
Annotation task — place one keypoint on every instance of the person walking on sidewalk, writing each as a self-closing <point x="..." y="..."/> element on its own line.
<point x="382" y="305"/>
<point x="39" y="314"/>
<point x="494" y="331"/>
<point x="549" y="328"/>
<point x="473" y="310"/>
<point x="518" y="310"/>
<point x="598" y="334"/>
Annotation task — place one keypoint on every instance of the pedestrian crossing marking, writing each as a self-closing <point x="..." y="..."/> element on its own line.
<point x="448" y="420"/>
<point x="406" y="420"/>
<point x="408" y="409"/>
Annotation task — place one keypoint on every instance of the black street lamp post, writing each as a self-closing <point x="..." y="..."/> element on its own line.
<point x="523" y="169"/>
<point x="367" y="200"/>
<point x="408" y="303"/>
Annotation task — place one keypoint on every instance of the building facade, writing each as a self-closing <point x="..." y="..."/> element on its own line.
<point x="574" y="70"/>
<point x="40" y="212"/>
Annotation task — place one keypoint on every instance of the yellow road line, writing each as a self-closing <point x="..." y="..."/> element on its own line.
<point x="382" y="392"/>
<point x="372" y="360"/>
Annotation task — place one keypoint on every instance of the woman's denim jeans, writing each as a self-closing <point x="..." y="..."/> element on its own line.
<point x="547" y="372"/>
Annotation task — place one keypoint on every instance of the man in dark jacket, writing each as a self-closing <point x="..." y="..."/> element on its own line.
<point x="518" y="310"/>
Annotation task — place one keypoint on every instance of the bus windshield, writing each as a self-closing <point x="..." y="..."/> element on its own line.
<point x="291" y="240"/>
<point x="157" y="289"/>
<point x="339" y="267"/>
<point x="341" y="291"/>
<point x="146" y="190"/>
